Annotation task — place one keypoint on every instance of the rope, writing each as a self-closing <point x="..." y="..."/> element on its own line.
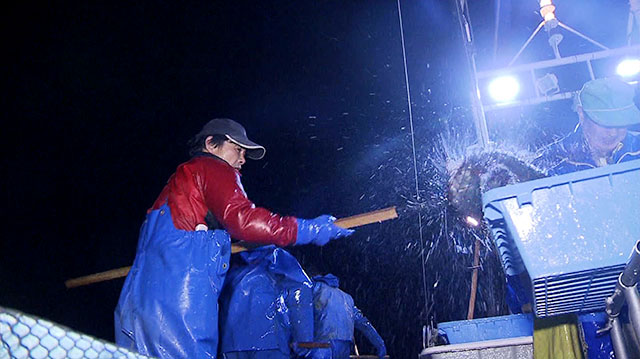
<point x="415" y="161"/>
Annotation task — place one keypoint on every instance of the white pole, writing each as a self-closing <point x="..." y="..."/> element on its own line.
<point x="634" y="13"/>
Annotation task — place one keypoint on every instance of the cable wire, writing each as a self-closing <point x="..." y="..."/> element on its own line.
<point x="415" y="160"/>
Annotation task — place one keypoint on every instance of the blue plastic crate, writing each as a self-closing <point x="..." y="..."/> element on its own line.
<point x="599" y="344"/>
<point x="572" y="233"/>
<point x="476" y="330"/>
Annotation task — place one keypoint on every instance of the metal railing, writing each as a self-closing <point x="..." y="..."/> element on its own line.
<point x="626" y="292"/>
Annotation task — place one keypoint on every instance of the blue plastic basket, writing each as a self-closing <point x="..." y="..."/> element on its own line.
<point x="476" y="330"/>
<point x="572" y="233"/>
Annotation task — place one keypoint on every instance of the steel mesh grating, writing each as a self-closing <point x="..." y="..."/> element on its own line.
<point x="574" y="292"/>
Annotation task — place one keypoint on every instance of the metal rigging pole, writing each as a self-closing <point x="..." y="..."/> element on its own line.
<point x="479" y="119"/>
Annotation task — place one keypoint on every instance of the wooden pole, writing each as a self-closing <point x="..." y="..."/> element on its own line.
<point x="347" y="222"/>
<point x="118" y="273"/>
<point x="97" y="277"/>
<point x="358" y="220"/>
<point x="474" y="279"/>
<point x="313" y="345"/>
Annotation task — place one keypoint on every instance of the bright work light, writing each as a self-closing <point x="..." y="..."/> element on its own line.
<point x="628" y="67"/>
<point x="504" y="88"/>
<point x="547" y="10"/>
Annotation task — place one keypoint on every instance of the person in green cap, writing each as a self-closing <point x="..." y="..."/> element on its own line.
<point x="605" y="110"/>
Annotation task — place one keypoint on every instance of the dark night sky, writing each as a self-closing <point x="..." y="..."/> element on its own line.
<point x="100" y="98"/>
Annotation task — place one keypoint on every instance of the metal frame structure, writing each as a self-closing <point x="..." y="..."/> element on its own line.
<point x="552" y="25"/>
<point x="627" y="287"/>
<point x="482" y="132"/>
<point x="626" y="292"/>
<point x="531" y="68"/>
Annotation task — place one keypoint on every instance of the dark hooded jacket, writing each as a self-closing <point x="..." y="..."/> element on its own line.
<point x="572" y="153"/>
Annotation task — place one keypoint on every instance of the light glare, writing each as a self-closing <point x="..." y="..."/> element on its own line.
<point x="628" y="67"/>
<point x="504" y="88"/>
<point x="472" y="221"/>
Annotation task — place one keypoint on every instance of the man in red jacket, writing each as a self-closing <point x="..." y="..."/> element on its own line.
<point x="168" y="307"/>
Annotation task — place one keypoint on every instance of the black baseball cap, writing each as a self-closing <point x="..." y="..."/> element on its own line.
<point x="234" y="133"/>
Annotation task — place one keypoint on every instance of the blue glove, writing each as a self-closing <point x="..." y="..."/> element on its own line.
<point x="319" y="230"/>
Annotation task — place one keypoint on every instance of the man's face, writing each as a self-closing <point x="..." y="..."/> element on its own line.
<point x="230" y="152"/>
<point x="601" y="139"/>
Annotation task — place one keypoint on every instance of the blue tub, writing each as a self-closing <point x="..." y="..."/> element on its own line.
<point x="477" y="330"/>
<point x="572" y="233"/>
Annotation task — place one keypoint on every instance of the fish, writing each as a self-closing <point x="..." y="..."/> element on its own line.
<point x="482" y="171"/>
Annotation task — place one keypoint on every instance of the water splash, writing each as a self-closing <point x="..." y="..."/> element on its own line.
<point x="381" y="265"/>
<point x="482" y="170"/>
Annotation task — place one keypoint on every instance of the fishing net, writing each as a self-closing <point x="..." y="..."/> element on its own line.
<point x="25" y="336"/>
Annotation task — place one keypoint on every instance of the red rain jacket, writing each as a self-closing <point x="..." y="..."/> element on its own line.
<point x="207" y="183"/>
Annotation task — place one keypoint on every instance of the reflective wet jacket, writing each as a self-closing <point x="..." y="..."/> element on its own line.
<point x="207" y="189"/>
<point x="168" y="306"/>
<point x="266" y="303"/>
<point x="335" y="317"/>
<point x="572" y="154"/>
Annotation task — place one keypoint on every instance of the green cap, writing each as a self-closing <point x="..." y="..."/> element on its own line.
<point x="609" y="102"/>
